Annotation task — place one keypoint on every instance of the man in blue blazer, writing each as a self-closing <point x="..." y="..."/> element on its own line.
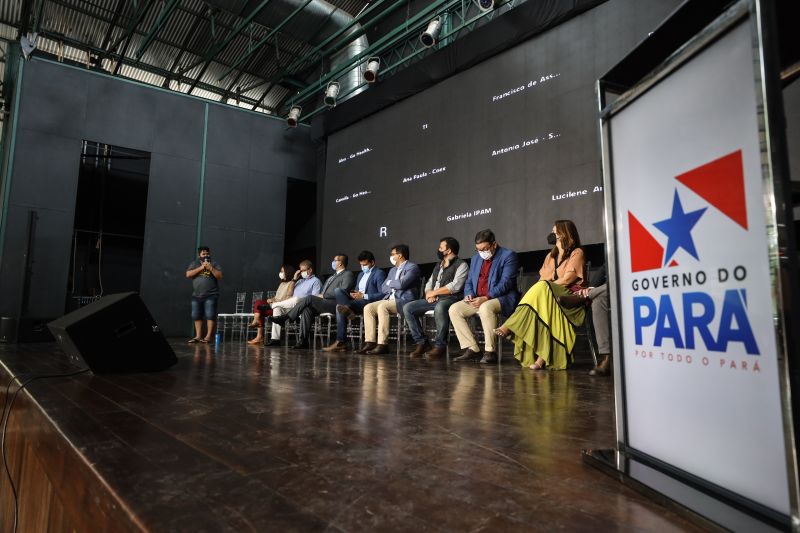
<point x="401" y="286"/>
<point x="367" y="290"/>
<point x="491" y="289"/>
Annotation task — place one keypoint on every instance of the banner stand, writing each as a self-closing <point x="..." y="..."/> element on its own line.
<point x="703" y="269"/>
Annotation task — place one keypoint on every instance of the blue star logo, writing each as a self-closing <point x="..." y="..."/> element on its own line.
<point x="678" y="229"/>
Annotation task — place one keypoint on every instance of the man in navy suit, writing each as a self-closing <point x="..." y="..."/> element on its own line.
<point x="367" y="290"/>
<point x="401" y="286"/>
<point x="491" y="289"/>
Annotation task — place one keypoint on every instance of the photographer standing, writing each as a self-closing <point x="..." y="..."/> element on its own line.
<point x="205" y="275"/>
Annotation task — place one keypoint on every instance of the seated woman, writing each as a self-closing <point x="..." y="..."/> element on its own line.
<point x="542" y="330"/>
<point x="261" y="308"/>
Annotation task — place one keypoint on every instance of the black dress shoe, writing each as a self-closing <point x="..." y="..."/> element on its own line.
<point x="301" y="346"/>
<point x="368" y="347"/>
<point x="273" y="342"/>
<point x="489" y="357"/>
<point x="380" y="349"/>
<point x="467" y="355"/>
<point x="280" y="319"/>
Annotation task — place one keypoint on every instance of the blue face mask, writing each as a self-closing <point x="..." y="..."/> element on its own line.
<point x="333" y="265"/>
<point x="365" y="269"/>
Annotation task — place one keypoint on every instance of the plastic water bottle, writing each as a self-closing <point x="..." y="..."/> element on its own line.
<point x="218" y="338"/>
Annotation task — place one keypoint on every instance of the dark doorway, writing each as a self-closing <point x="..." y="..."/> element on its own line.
<point x="300" y="240"/>
<point x="108" y="235"/>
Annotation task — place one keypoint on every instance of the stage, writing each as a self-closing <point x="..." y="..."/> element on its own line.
<point x="239" y="438"/>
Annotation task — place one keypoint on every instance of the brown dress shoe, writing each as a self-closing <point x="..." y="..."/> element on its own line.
<point x="468" y="355"/>
<point x="420" y="350"/>
<point x="436" y="352"/>
<point x="337" y="346"/>
<point x="346" y="312"/>
<point x="368" y="346"/>
<point x="570" y="301"/>
<point x="603" y="369"/>
<point x="380" y="349"/>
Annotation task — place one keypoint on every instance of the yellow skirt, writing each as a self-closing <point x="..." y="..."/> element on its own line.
<point x="543" y="328"/>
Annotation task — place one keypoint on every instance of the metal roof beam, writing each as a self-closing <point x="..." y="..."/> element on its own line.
<point x="263" y="41"/>
<point x="184" y="46"/>
<point x="216" y="49"/>
<point x="157" y="25"/>
<point x="134" y="63"/>
<point x="118" y="9"/>
<point x="136" y="21"/>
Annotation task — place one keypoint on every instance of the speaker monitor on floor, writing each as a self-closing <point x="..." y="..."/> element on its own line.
<point x="114" y="335"/>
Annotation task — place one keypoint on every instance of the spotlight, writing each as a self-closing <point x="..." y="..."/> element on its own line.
<point x="371" y="74"/>
<point x="294" y="116"/>
<point x="486" y="5"/>
<point x="429" y="36"/>
<point x="331" y="92"/>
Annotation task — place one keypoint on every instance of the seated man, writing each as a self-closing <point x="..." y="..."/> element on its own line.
<point x="597" y="294"/>
<point x="305" y="284"/>
<point x="444" y="288"/>
<point x="324" y="302"/>
<point x="491" y="289"/>
<point x="401" y="286"/>
<point x="368" y="289"/>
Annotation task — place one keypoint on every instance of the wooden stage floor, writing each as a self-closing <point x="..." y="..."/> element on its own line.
<point x="238" y="438"/>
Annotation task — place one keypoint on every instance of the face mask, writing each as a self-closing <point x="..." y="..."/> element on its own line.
<point x="365" y="268"/>
<point x="440" y="255"/>
<point x="486" y="255"/>
<point x="304" y="274"/>
<point x="392" y="260"/>
<point x="281" y="275"/>
<point x="333" y="265"/>
<point x="552" y="239"/>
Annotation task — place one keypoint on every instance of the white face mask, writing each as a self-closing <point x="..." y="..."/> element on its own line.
<point x="392" y="260"/>
<point x="281" y="275"/>
<point x="486" y="255"/>
<point x="304" y="274"/>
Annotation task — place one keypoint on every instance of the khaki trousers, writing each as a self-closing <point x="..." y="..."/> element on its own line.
<point x="381" y="312"/>
<point x="461" y="311"/>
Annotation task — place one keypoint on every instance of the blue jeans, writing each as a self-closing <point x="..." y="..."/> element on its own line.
<point x="414" y="310"/>
<point x="204" y="307"/>
<point x="357" y="306"/>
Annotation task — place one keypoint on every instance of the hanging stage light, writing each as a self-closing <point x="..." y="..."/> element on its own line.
<point x="331" y="92"/>
<point x="371" y="74"/>
<point x="486" y="5"/>
<point x="431" y="34"/>
<point x="294" y="116"/>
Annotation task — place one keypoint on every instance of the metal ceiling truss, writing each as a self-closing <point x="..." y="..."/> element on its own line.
<point x="206" y="39"/>
<point x="405" y="47"/>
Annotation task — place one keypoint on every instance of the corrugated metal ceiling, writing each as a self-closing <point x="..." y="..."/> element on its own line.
<point x="103" y="31"/>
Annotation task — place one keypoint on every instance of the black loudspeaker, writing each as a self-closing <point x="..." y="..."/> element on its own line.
<point x="114" y="335"/>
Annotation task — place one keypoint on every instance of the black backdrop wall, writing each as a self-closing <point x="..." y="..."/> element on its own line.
<point x="510" y="144"/>
<point x="248" y="159"/>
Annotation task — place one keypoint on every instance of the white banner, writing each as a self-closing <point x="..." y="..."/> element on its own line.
<point x="698" y="338"/>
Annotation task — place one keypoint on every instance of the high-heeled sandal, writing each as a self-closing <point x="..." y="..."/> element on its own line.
<point x="537" y="365"/>
<point x="504" y="332"/>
